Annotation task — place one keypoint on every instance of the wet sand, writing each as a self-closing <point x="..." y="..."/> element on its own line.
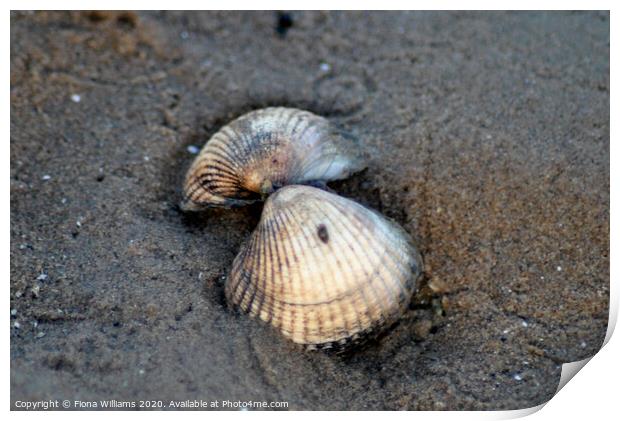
<point x="489" y="143"/>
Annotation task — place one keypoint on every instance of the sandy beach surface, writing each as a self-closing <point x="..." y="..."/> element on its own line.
<point x="489" y="142"/>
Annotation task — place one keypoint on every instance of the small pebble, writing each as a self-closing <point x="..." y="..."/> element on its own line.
<point x="63" y="200"/>
<point x="42" y="277"/>
<point x="35" y="291"/>
<point x="141" y="371"/>
<point x="583" y="344"/>
<point x="13" y="312"/>
<point x="16" y="325"/>
<point x="147" y="159"/>
<point x="517" y="377"/>
<point x="76" y="98"/>
<point x="184" y="35"/>
<point x="40" y="335"/>
<point x="559" y="268"/>
<point x="422" y="328"/>
<point x="325" y="67"/>
<point x="524" y="323"/>
<point x="193" y="149"/>
<point x="46" y="177"/>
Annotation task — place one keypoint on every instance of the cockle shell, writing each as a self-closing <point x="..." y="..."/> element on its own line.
<point x="264" y="150"/>
<point x="323" y="269"/>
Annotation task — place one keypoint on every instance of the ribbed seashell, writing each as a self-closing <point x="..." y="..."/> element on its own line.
<point x="264" y="150"/>
<point x="322" y="269"/>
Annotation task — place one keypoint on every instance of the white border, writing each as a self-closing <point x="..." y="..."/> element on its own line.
<point x="593" y="394"/>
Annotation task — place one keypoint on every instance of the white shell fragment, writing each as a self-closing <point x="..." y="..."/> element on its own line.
<point x="322" y="269"/>
<point x="264" y="150"/>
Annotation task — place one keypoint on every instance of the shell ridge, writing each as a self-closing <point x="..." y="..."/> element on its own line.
<point x="212" y="175"/>
<point x="263" y="279"/>
<point x="241" y="297"/>
<point x="297" y="161"/>
<point x="265" y="145"/>
<point x="228" y="143"/>
<point x="218" y="147"/>
<point x="297" y="119"/>
<point x="396" y="265"/>
<point x="222" y="158"/>
<point x="233" y="283"/>
<point x="278" y="253"/>
<point x="305" y="329"/>
<point x="238" y="143"/>
<point x="310" y="123"/>
<point x="342" y="272"/>
<point x="200" y="167"/>
<point x="250" y="142"/>
<point x="216" y="188"/>
<point x="271" y="236"/>
<point x="402" y="239"/>
<point x="339" y="323"/>
<point x="386" y="241"/>
<point x="217" y="184"/>
<point x="321" y="323"/>
<point x="289" y="250"/>
<point x="332" y="299"/>
<point x="368" y="271"/>
<point x="372" y="322"/>
<point x="210" y="181"/>
<point x="217" y="165"/>
<point x="253" y="262"/>
<point x="244" y="140"/>
<point x="197" y="185"/>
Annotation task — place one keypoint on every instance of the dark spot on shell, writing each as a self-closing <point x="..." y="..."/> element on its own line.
<point x="322" y="233"/>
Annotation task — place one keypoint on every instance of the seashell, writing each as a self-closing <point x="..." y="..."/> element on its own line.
<point x="266" y="149"/>
<point x="322" y="269"/>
